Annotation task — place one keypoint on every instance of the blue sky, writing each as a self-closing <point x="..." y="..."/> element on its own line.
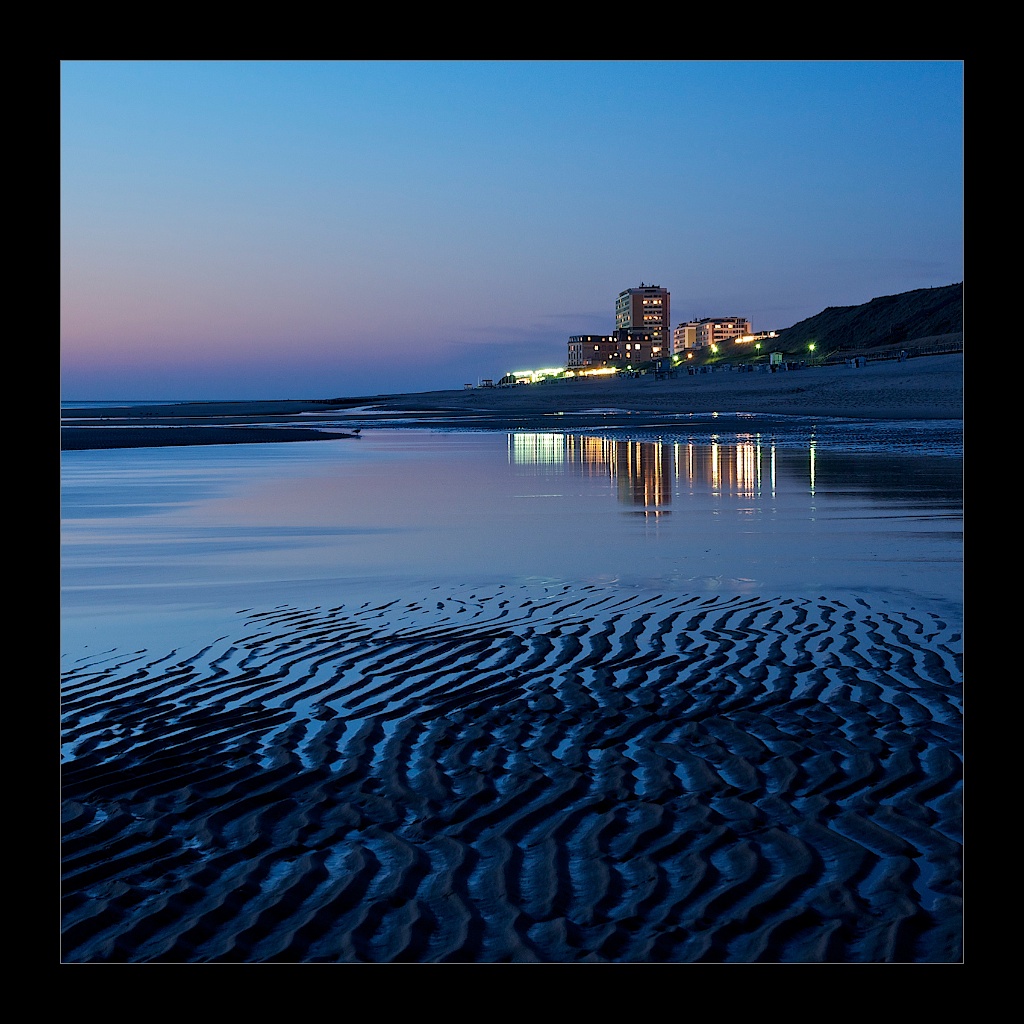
<point x="251" y="229"/>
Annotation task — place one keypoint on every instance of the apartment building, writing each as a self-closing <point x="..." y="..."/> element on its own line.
<point x="646" y="308"/>
<point x="641" y="332"/>
<point x="620" y="348"/>
<point x="684" y="337"/>
<point x="709" y="331"/>
<point x="590" y="351"/>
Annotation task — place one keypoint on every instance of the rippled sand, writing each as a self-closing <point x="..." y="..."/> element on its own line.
<point x="487" y="776"/>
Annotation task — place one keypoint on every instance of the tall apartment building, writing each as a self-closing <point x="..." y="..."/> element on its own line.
<point x="642" y="319"/>
<point x="709" y="331"/>
<point x="645" y="309"/>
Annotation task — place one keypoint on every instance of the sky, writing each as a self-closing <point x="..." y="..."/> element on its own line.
<point x="318" y="229"/>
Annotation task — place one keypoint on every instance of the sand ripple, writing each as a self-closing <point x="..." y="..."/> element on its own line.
<point x="522" y="775"/>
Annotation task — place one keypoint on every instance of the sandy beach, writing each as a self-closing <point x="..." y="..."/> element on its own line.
<point x="504" y="777"/>
<point x="922" y="388"/>
<point x="513" y="774"/>
<point x="930" y="387"/>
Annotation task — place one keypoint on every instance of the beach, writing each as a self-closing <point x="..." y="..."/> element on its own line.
<point x="924" y="388"/>
<point x="550" y="771"/>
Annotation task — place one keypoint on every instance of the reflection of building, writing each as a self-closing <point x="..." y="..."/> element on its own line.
<point x="536" y="449"/>
<point x="647" y="473"/>
<point x="592" y="453"/>
<point x="728" y="468"/>
<point x="640" y="470"/>
<point x="643" y="473"/>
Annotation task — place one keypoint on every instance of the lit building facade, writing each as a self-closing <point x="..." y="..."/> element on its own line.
<point x="646" y="309"/>
<point x="709" y="331"/>
<point x="591" y="351"/>
<point x="642" y="318"/>
<point x="620" y="348"/>
<point x="684" y="337"/>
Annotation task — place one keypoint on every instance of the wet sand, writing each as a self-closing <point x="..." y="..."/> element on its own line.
<point x="565" y="776"/>
<point x="93" y="438"/>
<point x="535" y="775"/>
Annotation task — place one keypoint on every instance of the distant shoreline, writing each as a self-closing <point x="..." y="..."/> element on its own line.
<point x="923" y="388"/>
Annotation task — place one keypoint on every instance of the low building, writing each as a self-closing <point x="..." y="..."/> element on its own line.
<point x="759" y="338"/>
<point x="712" y="330"/>
<point x="591" y="351"/>
<point x="620" y="348"/>
<point x="684" y="337"/>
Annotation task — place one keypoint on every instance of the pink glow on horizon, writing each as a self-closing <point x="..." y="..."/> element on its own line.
<point x="375" y="225"/>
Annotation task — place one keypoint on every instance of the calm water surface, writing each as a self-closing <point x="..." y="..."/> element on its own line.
<point x="162" y="548"/>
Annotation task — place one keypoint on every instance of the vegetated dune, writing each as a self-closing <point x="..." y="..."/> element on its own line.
<point x="917" y="320"/>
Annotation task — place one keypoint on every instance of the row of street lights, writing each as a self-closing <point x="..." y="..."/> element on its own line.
<point x="757" y="346"/>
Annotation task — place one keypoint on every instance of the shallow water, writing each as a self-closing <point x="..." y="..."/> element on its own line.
<point x="164" y="547"/>
<point x="527" y="697"/>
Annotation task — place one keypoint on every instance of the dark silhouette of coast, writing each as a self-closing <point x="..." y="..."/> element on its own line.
<point x="927" y="387"/>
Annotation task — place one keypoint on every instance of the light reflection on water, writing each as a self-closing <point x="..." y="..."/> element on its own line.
<point x="152" y="537"/>
<point x="649" y="472"/>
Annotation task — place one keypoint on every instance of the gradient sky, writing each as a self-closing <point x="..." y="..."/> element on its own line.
<point x="310" y="229"/>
